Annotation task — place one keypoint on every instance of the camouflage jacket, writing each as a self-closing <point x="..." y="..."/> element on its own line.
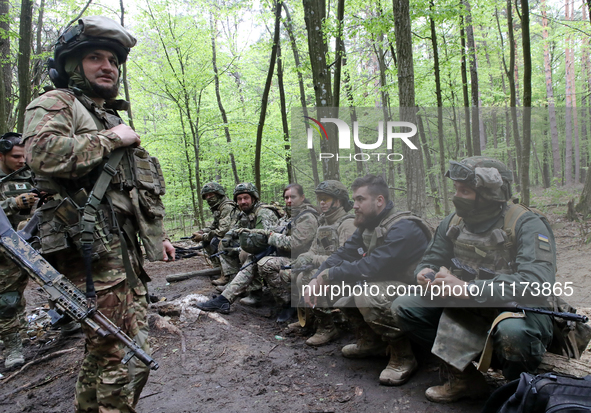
<point x="345" y="228"/>
<point x="64" y="139"/>
<point x="260" y="217"/>
<point x="299" y="232"/>
<point x="18" y="184"/>
<point x="224" y="216"/>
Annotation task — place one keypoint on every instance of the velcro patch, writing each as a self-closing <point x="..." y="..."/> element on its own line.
<point x="543" y="238"/>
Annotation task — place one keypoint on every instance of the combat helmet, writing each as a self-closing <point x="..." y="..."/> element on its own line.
<point x="212" y="187"/>
<point x="90" y="32"/>
<point x="490" y="178"/>
<point x="335" y="189"/>
<point x="246" y="188"/>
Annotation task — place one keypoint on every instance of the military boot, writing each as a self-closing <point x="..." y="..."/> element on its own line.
<point x="326" y="331"/>
<point x="469" y="383"/>
<point x="253" y="298"/>
<point x="402" y="363"/>
<point x="368" y="344"/>
<point x="13" y="351"/>
<point x="223" y="280"/>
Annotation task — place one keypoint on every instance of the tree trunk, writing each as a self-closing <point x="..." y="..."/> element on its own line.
<point x="5" y="68"/>
<point x="573" y="83"/>
<point x="464" y="70"/>
<point x="525" y="153"/>
<point x="296" y="58"/>
<point x="314" y="16"/>
<point x="442" y="165"/>
<point x="39" y="63"/>
<point x="550" y="97"/>
<point x="265" y="97"/>
<point x="568" y="157"/>
<point x="284" y="122"/>
<point x="427" y="156"/>
<point x="512" y="89"/>
<point x="24" y="58"/>
<point x="124" y="74"/>
<point x="473" y="80"/>
<point x="339" y="47"/>
<point x="413" y="165"/>
<point x="219" y="99"/>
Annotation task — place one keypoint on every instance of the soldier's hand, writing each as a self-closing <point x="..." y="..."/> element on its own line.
<point x="26" y="201"/>
<point x="310" y="299"/>
<point x="239" y="231"/>
<point x="169" y="251"/>
<point x="302" y="261"/>
<point x="197" y="236"/>
<point x="127" y="135"/>
<point x="445" y="278"/>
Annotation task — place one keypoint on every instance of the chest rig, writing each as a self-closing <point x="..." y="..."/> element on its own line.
<point x="328" y="236"/>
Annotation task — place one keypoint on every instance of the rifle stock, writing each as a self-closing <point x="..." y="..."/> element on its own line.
<point x="67" y="297"/>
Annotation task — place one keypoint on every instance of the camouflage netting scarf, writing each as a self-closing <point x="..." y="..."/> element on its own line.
<point x="75" y="72"/>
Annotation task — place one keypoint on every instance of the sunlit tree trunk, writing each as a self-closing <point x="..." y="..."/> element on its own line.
<point x="24" y="58"/>
<point x="525" y="153"/>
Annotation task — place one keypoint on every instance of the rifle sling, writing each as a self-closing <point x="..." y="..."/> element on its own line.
<point x="486" y="356"/>
<point x="88" y="220"/>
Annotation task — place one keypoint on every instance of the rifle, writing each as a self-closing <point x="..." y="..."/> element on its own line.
<point x="256" y="257"/>
<point x="181" y="252"/>
<point x="13" y="173"/>
<point x="297" y="269"/>
<point x="567" y="316"/>
<point x="63" y="293"/>
<point x="217" y="254"/>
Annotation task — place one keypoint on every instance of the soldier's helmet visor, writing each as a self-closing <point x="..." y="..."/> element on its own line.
<point x="459" y="172"/>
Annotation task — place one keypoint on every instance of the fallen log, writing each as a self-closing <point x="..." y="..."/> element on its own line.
<point x="187" y="275"/>
<point x="564" y="365"/>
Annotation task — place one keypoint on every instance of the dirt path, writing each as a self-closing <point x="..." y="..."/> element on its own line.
<point x="251" y="364"/>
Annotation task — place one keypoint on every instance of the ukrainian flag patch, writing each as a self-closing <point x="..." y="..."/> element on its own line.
<point x="543" y="238"/>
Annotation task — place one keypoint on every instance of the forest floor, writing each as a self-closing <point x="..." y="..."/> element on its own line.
<point x="245" y="361"/>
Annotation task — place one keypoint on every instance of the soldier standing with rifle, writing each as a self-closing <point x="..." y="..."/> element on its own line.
<point x="484" y="245"/>
<point x="224" y="212"/>
<point x="17" y="199"/>
<point x="104" y="192"/>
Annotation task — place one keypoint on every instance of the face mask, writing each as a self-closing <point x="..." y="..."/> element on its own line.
<point x="474" y="212"/>
<point x="212" y="202"/>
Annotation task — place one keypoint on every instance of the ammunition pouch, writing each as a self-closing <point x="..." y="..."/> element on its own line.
<point x="140" y="170"/>
<point x="253" y="243"/>
<point x="9" y="304"/>
<point x="60" y="229"/>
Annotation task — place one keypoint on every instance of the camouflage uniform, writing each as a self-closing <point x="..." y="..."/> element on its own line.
<point x="247" y="280"/>
<point x="297" y="238"/>
<point x="11" y="278"/>
<point x="224" y="212"/>
<point x="457" y="335"/>
<point x="66" y="137"/>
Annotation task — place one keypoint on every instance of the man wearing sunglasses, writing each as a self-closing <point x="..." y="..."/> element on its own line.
<point x="480" y="252"/>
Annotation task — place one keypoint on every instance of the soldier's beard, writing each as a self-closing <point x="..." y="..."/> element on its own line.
<point x="105" y="92"/>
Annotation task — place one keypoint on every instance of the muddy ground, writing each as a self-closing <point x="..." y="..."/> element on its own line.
<point x="251" y="364"/>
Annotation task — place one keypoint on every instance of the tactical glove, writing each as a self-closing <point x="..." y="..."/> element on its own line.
<point x="26" y="201"/>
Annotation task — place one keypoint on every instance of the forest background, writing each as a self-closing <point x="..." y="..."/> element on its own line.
<point x="217" y="88"/>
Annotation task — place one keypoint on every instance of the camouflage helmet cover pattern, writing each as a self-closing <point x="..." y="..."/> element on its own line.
<point x="489" y="177"/>
<point x="246" y="188"/>
<point x="92" y="32"/>
<point x="332" y="188"/>
<point x="212" y="187"/>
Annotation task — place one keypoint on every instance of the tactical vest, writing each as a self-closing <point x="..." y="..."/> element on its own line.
<point x="217" y="213"/>
<point x="493" y="251"/>
<point x="328" y="236"/>
<point x="60" y="218"/>
<point x="11" y="189"/>
<point x="376" y="237"/>
<point x="250" y="220"/>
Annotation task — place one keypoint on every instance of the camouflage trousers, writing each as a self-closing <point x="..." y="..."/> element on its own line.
<point x="13" y="282"/>
<point x="230" y="264"/>
<point x="105" y="385"/>
<point x="371" y="307"/>
<point x="278" y="280"/>
<point x="246" y="281"/>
